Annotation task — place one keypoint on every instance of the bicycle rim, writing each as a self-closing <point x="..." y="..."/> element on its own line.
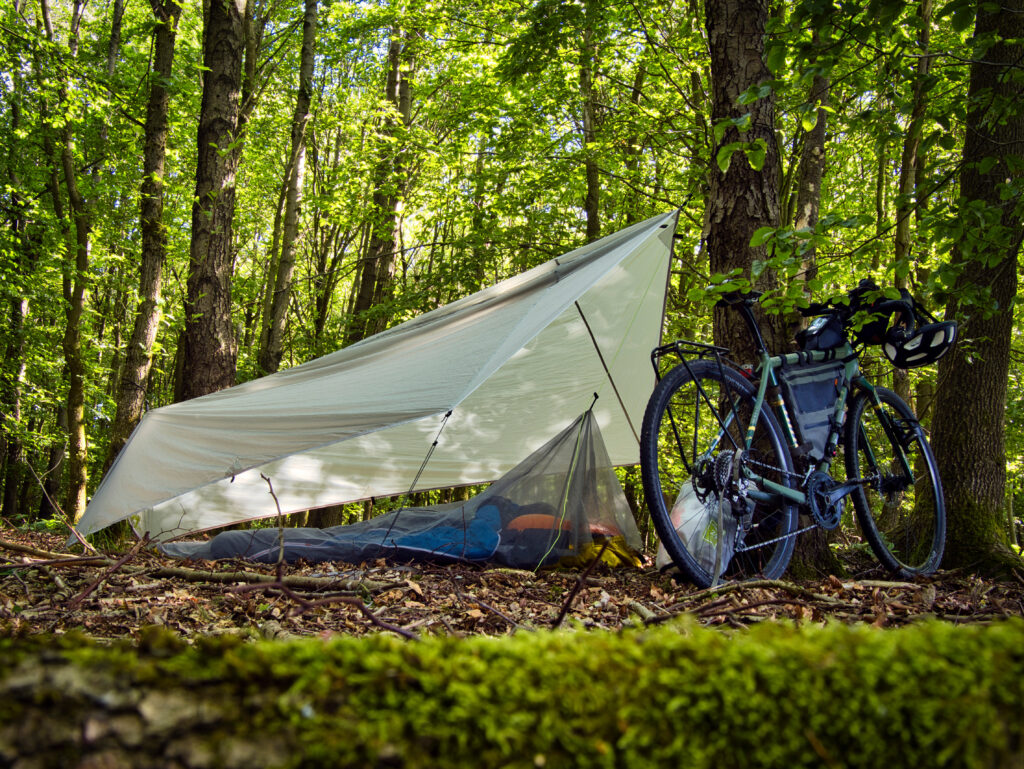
<point x="902" y="515"/>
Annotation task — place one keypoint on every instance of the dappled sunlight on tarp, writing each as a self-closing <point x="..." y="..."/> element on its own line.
<point x="512" y="363"/>
<point x="554" y="506"/>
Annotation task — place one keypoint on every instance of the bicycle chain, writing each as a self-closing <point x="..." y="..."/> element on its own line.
<point x="792" y="534"/>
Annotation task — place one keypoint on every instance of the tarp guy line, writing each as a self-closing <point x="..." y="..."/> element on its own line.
<point x="419" y="473"/>
<point x="604" y="365"/>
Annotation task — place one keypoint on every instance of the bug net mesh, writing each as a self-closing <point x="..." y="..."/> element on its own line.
<point x="562" y="505"/>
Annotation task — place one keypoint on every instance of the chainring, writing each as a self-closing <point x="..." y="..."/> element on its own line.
<point x="825" y="513"/>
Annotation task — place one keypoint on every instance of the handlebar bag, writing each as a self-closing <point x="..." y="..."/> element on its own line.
<point x="824" y="333"/>
<point x="810" y="391"/>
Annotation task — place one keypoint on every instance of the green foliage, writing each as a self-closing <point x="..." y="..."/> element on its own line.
<point x="928" y="695"/>
<point x="489" y="172"/>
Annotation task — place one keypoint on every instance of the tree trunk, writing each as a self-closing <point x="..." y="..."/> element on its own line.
<point x="742" y="198"/>
<point x="270" y="355"/>
<point x="54" y="471"/>
<point x="906" y="198"/>
<point x="811" y="171"/>
<point x="588" y="63"/>
<point x="813" y="556"/>
<point x="15" y="363"/>
<point x="210" y="348"/>
<point x="969" y="421"/>
<point x="389" y="187"/>
<point x="75" y="281"/>
<point x="131" y="397"/>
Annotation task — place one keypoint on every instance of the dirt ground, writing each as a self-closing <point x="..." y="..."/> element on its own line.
<point x="44" y="589"/>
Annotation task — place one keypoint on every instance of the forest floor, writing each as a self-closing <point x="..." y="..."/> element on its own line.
<point x="115" y="595"/>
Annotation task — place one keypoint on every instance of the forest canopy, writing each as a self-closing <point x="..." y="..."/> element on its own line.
<point x="193" y="201"/>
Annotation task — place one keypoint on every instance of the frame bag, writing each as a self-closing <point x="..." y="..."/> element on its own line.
<point x="810" y="391"/>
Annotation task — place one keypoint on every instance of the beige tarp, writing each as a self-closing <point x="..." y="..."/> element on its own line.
<point x="490" y="377"/>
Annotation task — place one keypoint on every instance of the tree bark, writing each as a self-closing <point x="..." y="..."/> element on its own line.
<point x="75" y="283"/>
<point x="131" y="397"/>
<point x="588" y="63"/>
<point x="811" y="172"/>
<point x="969" y="421"/>
<point x="270" y="354"/>
<point x="905" y="202"/>
<point x="742" y="198"/>
<point x="210" y="346"/>
<point x="389" y="188"/>
<point x="812" y="556"/>
<point x="15" y="363"/>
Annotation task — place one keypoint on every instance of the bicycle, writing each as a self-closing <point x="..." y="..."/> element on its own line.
<point x="727" y="478"/>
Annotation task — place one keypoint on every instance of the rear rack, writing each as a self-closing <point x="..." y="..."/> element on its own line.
<point x="683" y="347"/>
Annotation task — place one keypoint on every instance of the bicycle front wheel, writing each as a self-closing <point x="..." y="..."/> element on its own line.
<point x="696" y="421"/>
<point x="900" y="506"/>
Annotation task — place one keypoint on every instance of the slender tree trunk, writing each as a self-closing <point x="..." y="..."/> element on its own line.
<point x="742" y="198"/>
<point x="210" y="347"/>
<point x="270" y="355"/>
<point x="906" y="197"/>
<point x="54" y="472"/>
<point x="389" y="187"/>
<point x="969" y="422"/>
<point x="588" y="62"/>
<point x="74" y="298"/>
<point x="75" y="282"/>
<point x="273" y="263"/>
<point x="15" y="363"/>
<point x="811" y="172"/>
<point x="813" y="555"/>
<point x="131" y="396"/>
<point x="632" y="150"/>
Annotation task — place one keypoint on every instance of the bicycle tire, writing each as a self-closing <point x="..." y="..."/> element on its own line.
<point x="903" y="519"/>
<point x="676" y="410"/>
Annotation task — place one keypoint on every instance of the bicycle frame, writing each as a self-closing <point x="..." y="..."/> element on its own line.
<point x="769" y="364"/>
<point x="766" y="377"/>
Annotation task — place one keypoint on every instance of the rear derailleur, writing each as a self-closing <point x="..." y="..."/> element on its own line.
<point x="721" y="478"/>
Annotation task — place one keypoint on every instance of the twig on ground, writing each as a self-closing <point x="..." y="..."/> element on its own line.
<point x="75" y="602"/>
<point x="732" y="587"/>
<point x="84" y="560"/>
<point x="580" y="581"/>
<point x="17" y="547"/>
<point x="501" y="615"/>
<point x="256" y="581"/>
<point x="304" y="605"/>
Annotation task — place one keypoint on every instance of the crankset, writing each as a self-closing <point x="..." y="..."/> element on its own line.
<point x="825" y="498"/>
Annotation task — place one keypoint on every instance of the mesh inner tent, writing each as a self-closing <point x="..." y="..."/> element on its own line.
<point x="554" y="506"/>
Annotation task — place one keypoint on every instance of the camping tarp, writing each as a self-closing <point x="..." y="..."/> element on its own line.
<point x="557" y="504"/>
<point x="457" y="396"/>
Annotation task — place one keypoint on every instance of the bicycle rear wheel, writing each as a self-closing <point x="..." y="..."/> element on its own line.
<point x="900" y="507"/>
<point x="696" y="421"/>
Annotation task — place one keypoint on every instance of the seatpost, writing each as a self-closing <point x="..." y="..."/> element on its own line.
<point x="745" y="310"/>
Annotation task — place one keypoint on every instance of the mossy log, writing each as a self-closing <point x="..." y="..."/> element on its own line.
<point x="775" y="696"/>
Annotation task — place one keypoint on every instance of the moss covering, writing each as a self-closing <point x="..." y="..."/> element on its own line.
<point x="931" y="695"/>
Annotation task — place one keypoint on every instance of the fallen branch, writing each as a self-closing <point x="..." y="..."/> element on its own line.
<point x="16" y="547"/>
<point x="580" y="581"/>
<point x="732" y="587"/>
<point x="501" y="615"/>
<point x="306" y="605"/>
<point x="75" y="602"/>
<point x="83" y="560"/>
<point x="254" y="578"/>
